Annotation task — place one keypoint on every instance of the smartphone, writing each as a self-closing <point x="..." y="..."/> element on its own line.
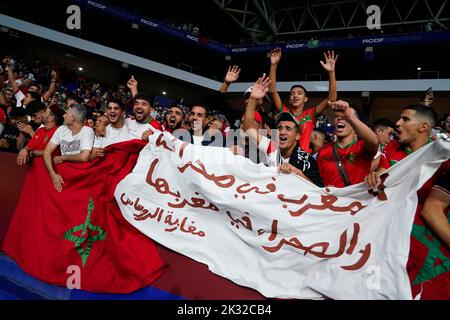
<point x="429" y="96"/>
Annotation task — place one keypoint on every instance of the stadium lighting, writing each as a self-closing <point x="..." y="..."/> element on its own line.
<point x="419" y="68"/>
<point x="80" y="68"/>
<point x="164" y="93"/>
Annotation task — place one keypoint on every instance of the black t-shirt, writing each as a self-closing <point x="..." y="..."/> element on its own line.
<point x="10" y="134"/>
<point x="307" y="164"/>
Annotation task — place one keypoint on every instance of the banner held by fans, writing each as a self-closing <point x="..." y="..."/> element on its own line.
<point x="278" y="233"/>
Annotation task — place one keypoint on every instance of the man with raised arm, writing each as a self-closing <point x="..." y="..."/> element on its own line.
<point x="20" y="96"/>
<point x="348" y="160"/>
<point x="287" y="153"/>
<point x="299" y="96"/>
<point x="144" y="117"/>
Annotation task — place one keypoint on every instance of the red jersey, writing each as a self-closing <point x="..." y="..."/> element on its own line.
<point x="308" y="122"/>
<point x="41" y="138"/>
<point x="357" y="161"/>
<point x="393" y="152"/>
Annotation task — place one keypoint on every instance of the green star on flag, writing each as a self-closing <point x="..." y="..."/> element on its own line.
<point x="430" y="268"/>
<point x="87" y="235"/>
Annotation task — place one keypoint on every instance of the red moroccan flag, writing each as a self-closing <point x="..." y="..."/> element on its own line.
<point x="82" y="226"/>
<point x="429" y="258"/>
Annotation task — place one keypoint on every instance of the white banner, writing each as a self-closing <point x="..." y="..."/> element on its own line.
<point x="278" y="233"/>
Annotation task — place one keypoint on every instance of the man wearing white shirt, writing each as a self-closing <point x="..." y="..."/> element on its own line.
<point x="75" y="141"/>
<point x="116" y="131"/>
<point x="144" y="115"/>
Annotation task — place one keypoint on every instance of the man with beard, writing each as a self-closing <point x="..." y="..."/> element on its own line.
<point x="299" y="96"/>
<point x="144" y="117"/>
<point x="174" y="118"/>
<point x="287" y="153"/>
<point x="51" y="120"/>
<point x="348" y="160"/>
<point x="116" y="131"/>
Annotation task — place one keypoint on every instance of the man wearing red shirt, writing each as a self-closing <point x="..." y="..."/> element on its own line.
<point x="428" y="265"/>
<point x="413" y="132"/>
<point x="353" y="156"/>
<point x="52" y="119"/>
<point x="299" y="96"/>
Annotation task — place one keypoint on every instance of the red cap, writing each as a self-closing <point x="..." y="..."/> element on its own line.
<point x="57" y="110"/>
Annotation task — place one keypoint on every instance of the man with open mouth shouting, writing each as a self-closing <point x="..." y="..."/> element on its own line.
<point x="348" y="160"/>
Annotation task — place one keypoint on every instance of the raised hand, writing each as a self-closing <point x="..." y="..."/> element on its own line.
<point x="341" y="109"/>
<point x="232" y="74"/>
<point x="429" y="98"/>
<point x="330" y="61"/>
<point x="260" y="88"/>
<point x="54" y="75"/>
<point x="132" y="83"/>
<point x="275" y="56"/>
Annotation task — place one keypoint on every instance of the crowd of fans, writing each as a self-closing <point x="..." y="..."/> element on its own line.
<point x="62" y="118"/>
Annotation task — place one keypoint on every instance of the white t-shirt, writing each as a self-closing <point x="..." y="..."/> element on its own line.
<point x="73" y="144"/>
<point x="112" y="136"/>
<point x="136" y="129"/>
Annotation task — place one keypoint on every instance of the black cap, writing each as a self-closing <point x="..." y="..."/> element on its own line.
<point x="287" y="116"/>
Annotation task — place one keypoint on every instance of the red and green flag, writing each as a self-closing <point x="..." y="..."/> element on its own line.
<point x="82" y="226"/>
